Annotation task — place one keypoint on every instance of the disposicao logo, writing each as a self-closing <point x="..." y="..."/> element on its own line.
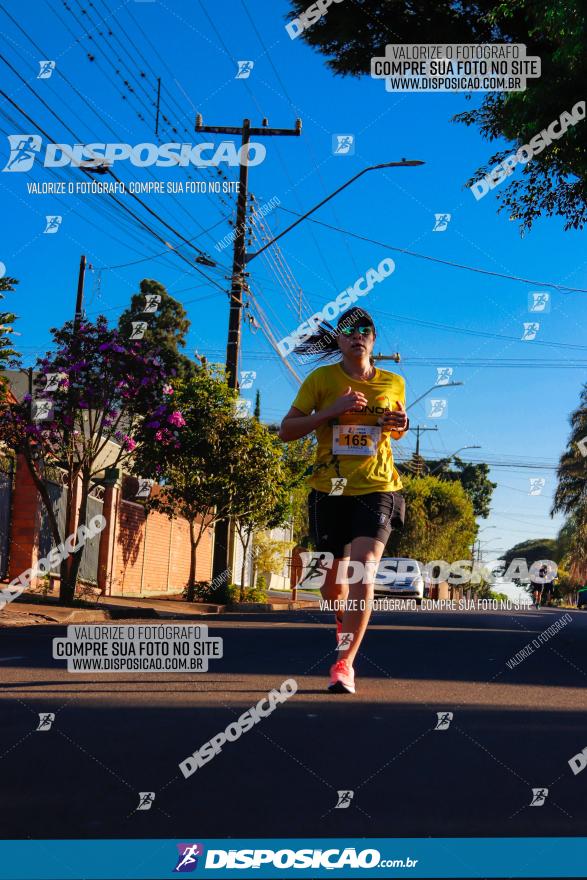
<point x="188" y="854"/>
<point x="330" y="859"/>
<point x="25" y="148"/>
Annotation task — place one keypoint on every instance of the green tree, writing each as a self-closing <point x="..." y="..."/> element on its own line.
<point x="101" y="394"/>
<point x="284" y="484"/>
<point x="571" y="493"/>
<point x="167" y="330"/>
<point x="298" y="458"/>
<point x="259" y="496"/>
<point x="268" y="554"/>
<point x="227" y="466"/>
<point x="257" y="412"/>
<point x="553" y="183"/>
<point x="572" y="548"/>
<point x="565" y="537"/>
<point x="8" y="356"/>
<point x="197" y="481"/>
<point x="532" y="550"/>
<point x="439" y="524"/>
<point x="474" y="479"/>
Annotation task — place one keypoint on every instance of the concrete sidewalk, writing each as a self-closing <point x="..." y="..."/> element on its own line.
<point x="35" y="609"/>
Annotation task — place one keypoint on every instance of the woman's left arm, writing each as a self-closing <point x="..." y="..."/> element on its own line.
<point x="395" y="421"/>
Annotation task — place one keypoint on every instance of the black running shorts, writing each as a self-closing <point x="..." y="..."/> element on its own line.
<point x="336" y="519"/>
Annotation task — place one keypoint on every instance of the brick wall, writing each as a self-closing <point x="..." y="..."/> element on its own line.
<point x="152" y="553"/>
<point x="24" y="522"/>
<point x="140" y="555"/>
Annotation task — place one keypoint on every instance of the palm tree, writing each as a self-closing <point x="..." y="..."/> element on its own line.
<point x="572" y="548"/>
<point x="571" y="494"/>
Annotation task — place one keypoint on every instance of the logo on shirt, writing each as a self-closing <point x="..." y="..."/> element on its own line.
<point x="379" y="410"/>
<point x="382" y="405"/>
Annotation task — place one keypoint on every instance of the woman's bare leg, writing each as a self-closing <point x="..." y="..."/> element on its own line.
<point x="368" y="552"/>
<point x="335" y="587"/>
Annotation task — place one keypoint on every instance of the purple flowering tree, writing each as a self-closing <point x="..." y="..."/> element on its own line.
<point x="98" y="398"/>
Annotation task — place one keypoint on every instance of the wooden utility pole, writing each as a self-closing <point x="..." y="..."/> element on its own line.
<point x="417" y="458"/>
<point x="158" y="106"/>
<point x="224" y="534"/>
<point x="80" y="291"/>
<point x="239" y="257"/>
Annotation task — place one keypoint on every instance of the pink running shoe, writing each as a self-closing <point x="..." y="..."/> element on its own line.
<point x="342" y="678"/>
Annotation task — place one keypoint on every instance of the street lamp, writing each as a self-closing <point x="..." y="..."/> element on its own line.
<point x="448" y="458"/>
<point x="404" y="163"/>
<point x="481" y="551"/>
<point x="461" y="448"/>
<point x="432" y="388"/>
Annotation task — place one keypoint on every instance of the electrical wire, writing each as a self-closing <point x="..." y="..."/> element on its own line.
<point x="266" y="330"/>
<point x="149" y="210"/>
<point x="155" y="51"/>
<point x="280" y="277"/>
<point x="452" y="264"/>
<point x="113" y="197"/>
<point x="482" y="333"/>
<point x="296" y="110"/>
<point x="140" y="116"/>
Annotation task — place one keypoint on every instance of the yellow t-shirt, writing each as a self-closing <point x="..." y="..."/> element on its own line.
<point x="352" y="446"/>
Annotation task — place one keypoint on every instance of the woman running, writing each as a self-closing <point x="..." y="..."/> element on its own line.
<point x="354" y="409"/>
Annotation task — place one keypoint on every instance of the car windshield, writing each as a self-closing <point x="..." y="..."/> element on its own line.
<point x="403" y="567"/>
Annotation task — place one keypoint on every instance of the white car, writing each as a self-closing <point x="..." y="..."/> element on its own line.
<point x="400" y="577"/>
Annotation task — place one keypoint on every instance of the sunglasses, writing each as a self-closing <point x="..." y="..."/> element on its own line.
<point x="363" y="329"/>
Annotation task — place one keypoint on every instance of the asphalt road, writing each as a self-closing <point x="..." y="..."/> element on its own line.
<point x="115" y="735"/>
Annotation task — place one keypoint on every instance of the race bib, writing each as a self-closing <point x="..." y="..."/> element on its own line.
<point x="355" y="439"/>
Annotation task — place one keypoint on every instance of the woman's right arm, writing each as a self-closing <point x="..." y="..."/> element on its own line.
<point x="297" y="424"/>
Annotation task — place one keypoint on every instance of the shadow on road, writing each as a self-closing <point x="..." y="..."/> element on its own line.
<point x="82" y="777"/>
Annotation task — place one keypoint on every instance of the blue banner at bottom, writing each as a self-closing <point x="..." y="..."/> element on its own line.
<point x="269" y="858"/>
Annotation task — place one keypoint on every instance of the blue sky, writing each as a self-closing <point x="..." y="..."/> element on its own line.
<point x="518" y="415"/>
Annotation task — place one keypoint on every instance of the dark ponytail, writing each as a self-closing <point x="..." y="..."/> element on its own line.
<point x="323" y="344"/>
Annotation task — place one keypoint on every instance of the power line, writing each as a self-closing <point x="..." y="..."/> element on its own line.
<point x="284" y="164"/>
<point x="94" y="59"/>
<point x="160" y="254"/>
<point x="179" y="109"/>
<point x="520" y="363"/>
<point x="109" y="170"/>
<point x="279" y="267"/>
<point x="117" y="201"/>
<point x="121" y="62"/>
<point x="266" y="330"/>
<point x="295" y="109"/>
<point x="500" y="465"/>
<point x="483" y="333"/>
<point x="509" y="363"/>
<point x="103" y="210"/>
<point x="452" y="264"/>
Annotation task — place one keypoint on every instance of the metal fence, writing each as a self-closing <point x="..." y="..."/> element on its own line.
<point x="88" y="570"/>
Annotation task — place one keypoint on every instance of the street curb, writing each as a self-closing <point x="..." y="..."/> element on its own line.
<point x="52" y="614"/>
<point x="80" y="615"/>
<point x="268" y="606"/>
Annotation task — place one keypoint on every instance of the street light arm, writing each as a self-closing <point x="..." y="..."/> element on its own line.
<point x="432" y="388"/>
<point x="449" y="458"/>
<point x="405" y="163"/>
